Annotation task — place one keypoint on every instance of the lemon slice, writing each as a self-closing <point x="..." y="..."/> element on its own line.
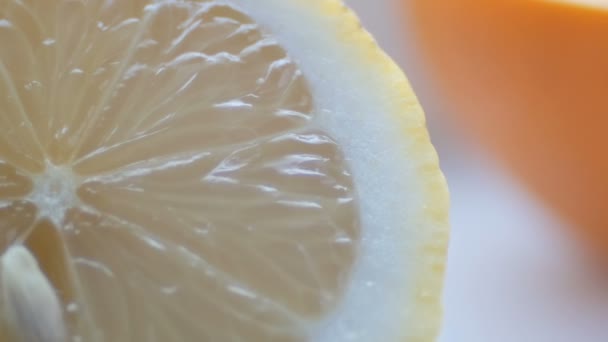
<point x="221" y="170"/>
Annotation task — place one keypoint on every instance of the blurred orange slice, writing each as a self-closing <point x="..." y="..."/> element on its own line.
<point x="529" y="79"/>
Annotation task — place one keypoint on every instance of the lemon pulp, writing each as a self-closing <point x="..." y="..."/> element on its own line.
<point x="163" y="163"/>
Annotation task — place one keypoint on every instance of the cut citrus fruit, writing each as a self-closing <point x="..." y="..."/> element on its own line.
<point x="537" y="71"/>
<point x="213" y="171"/>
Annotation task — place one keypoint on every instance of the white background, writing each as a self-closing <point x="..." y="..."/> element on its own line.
<point x="513" y="273"/>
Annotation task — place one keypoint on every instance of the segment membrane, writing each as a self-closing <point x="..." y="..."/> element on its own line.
<point x="206" y="206"/>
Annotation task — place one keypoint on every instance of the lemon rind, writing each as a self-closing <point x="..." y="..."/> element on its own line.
<point x="422" y="310"/>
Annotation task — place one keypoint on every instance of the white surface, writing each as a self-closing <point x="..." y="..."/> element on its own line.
<point x="512" y="274"/>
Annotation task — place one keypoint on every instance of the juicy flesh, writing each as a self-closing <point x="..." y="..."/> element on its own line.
<point x="162" y="163"/>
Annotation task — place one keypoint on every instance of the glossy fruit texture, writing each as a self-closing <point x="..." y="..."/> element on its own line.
<point x="212" y="170"/>
<point x="530" y="80"/>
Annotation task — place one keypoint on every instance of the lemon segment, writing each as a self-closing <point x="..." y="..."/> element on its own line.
<point x="218" y="171"/>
